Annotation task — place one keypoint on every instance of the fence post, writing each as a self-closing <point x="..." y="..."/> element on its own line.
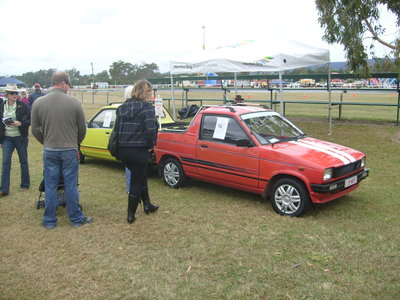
<point x="186" y="96"/>
<point x="270" y="98"/>
<point x="340" y="105"/>
<point x="398" y="104"/>
<point x="224" y="95"/>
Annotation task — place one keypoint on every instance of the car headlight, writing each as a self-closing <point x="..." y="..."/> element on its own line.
<point x="328" y="174"/>
<point x="363" y="161"/>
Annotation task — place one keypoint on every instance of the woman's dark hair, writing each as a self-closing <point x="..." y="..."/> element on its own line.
<point x="140" y="90"/>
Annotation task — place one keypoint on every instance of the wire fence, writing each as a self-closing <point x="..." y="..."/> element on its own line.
<point x="369" y="104"/>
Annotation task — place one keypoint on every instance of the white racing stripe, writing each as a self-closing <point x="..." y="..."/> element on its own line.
<point x="338" y="156"/>
<point x="348" y="156"/>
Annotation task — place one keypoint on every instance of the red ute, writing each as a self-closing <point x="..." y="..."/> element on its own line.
<point x="257" y="150"/>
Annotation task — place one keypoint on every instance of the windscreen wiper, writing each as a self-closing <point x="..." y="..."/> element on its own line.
<point x="288" y="139"/>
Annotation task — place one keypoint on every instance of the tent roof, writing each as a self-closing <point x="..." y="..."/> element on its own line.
<point x="4" y="81"/>
<point x="251" y="56"/>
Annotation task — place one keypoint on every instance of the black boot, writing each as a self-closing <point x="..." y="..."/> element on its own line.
<point x="148" y="207"/>
<point x="133" y="202"/>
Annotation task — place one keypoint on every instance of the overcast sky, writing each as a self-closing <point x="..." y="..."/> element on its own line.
<point x="45" y="34"/>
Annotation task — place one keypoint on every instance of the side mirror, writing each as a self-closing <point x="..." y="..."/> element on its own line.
<point x="244" y="143"/>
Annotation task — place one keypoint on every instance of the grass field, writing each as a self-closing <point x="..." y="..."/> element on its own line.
<point x="206" y="241"/>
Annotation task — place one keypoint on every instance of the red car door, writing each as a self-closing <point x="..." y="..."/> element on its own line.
<point x="225" y="153"/>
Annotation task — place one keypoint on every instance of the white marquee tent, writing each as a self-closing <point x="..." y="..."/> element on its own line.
<point x="252" y="56"/>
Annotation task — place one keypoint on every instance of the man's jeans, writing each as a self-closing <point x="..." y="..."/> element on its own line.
<point x="57" y="163"/>
<point x="8" y="146"/>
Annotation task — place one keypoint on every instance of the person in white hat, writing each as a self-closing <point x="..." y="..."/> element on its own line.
<point x="16" y="119"/>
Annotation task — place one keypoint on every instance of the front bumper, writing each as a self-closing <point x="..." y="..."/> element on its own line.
<point x="341" y="184"/>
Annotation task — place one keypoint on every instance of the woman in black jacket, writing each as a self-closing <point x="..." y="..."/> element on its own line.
<point x="136" y="137"/>
<point x="16" y="119"/>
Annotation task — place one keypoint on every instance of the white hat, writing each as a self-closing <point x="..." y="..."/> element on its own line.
<point x="128" y="92"/>
<point x="11" y="87"/>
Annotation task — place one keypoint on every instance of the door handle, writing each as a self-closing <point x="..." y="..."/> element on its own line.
<point x="107" y="132"/>
<point x="203" y="146"/>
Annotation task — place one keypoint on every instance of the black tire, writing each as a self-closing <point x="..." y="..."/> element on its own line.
<point x="172" y="173"/>
<point x="39" y="204"/>
<point x="81" y="158"/>
<point x="290" y="197"/>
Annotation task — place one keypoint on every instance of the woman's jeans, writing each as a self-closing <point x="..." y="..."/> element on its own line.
<point x="57" y="163"/>
<point x="8" y="146"/>
<point x="137" y="161"/>
<point x="127" y="179"/>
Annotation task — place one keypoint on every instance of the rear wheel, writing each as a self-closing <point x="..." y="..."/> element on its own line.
<point x="81" y="158"/>
<point x="172" y="173"/>
<point x="290" y="197"/>
<point x="39" y="204"/>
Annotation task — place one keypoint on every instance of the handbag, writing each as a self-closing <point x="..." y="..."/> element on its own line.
<point x="113" y="141"/>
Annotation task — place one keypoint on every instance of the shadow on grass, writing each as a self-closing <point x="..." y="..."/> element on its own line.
<point x="114" y="166"/>
<point x="342" y="206"/>
<point x="89" y="161"/>
<point x="219" y="191"/>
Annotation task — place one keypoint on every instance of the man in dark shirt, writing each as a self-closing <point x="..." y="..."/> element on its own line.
<point x="38" y="93"/>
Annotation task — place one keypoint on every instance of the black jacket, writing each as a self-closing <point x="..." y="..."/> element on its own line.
<point x="138" y="125"/>
<point x="32" y="97"/>
<point x="23" y="114"/>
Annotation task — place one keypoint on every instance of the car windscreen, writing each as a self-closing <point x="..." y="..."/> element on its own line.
<point x="271" y="127"/>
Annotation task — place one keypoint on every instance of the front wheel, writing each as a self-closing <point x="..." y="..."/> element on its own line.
<point x="290" y="197"/>
<point x="172" y="173"/>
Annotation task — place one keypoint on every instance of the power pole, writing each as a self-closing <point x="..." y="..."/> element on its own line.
<point x="204" y="37"/>
<point x="92" y="75"/>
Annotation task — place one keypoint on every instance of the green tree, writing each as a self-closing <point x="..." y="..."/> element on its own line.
<point x="300" y="71"/>
<point x="122" y="72"/>
<point x="350" y="22"/>
<point x="145" y="71"/>
<point x="322" y="69"/>
<point x="103" y="76"/>
<point x="42" y="76"/>
<point x="383" y="65"/>
<point x="75" y="76"/>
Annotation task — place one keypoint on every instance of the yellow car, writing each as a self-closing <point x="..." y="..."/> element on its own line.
<point x="99" y="128"/>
